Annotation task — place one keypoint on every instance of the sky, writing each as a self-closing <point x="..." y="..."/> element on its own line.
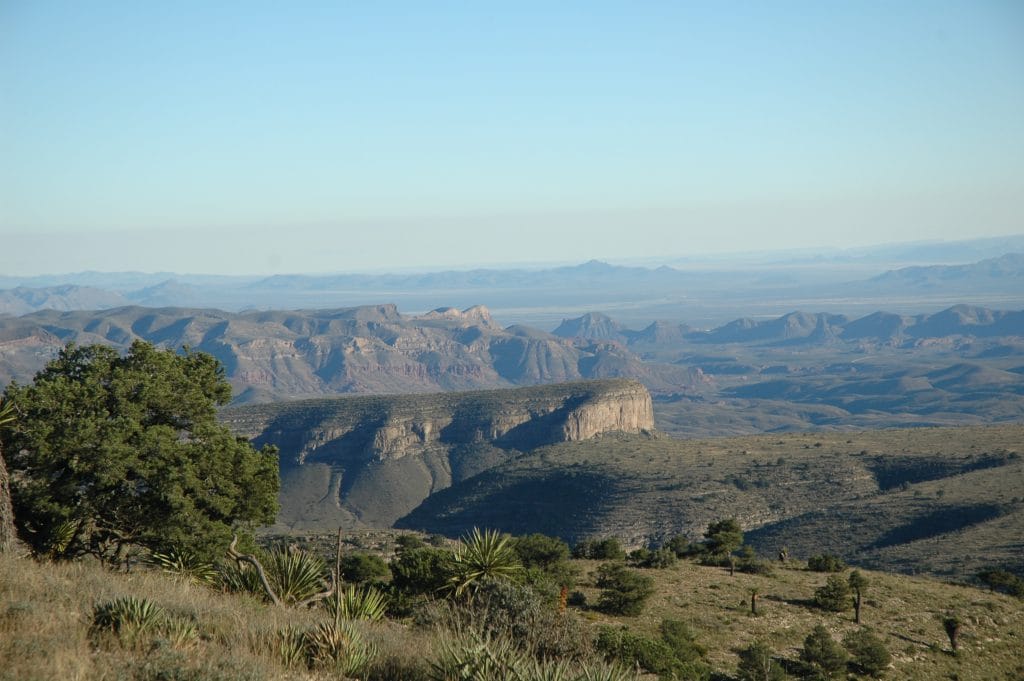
<point x="262" y="137"/>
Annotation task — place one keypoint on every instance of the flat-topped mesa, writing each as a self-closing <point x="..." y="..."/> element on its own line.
<point x="393" y="426"/>
<point x="368" y="461"/>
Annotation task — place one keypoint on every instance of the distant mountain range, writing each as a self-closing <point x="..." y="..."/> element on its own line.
<point x="277" y="355"/>
<point x="701" y="293"/>
<point x="807" y="328"/>
<point x="797" y="371"/>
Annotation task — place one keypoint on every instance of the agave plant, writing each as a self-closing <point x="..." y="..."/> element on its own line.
<point x="480" y="555"/>
<point x="186" y="565"/>
<point x="357" y="603"/>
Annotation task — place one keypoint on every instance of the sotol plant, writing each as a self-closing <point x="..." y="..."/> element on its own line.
<point x="487" y="554"/>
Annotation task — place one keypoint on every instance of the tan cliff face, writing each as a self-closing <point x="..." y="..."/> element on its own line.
<point x="371" y="460"/>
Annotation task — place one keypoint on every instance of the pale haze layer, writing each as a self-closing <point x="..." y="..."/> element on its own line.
<point x="290" y="137"/>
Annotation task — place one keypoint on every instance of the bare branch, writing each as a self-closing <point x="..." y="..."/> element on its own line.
<point x="252" y="560"/>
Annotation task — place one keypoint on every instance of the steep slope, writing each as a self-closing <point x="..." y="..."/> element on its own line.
<point x="371" y="460"/>
<point x="886" y="499"/>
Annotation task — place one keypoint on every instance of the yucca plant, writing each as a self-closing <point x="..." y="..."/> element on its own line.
<point x="338" y="646"/>
<point x="474" y="657"/>
<point x="480" y="555"/>
<point x="128" y="617"/>
<point x="180" y="631"/>
<point x="186" y="565"/>
<point x="357" y="603"/>
<point x="235" y="578"/>
<point x="603" y="672"/>
<point x="290" y="646"/>
<point x="295" y="576"/>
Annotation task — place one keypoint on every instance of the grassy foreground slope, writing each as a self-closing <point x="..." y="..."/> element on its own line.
<point x="46" y="610"/>
<point x="945" y="501"/>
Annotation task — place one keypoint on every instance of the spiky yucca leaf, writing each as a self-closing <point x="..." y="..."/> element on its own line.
<point x="487" y="554"/>
<point x="290" y="646"/>
<point x="338" y="646"/>
<point x="480" y="658"/>
<point x="295" y="575"/>
<point x="235" y="578"/>
<point x="357" y="603"/>
<point x="186" y="565"/>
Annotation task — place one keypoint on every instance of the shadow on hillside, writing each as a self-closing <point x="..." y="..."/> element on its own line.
<point x="939" y="521"/>
<point x="566" y="504"/>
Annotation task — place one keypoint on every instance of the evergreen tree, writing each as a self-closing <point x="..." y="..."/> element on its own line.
<point x="7" y="535"/>
<point x="110" y="452"/>
<point x="825" y="658"/>
<point x="723" y="537"/>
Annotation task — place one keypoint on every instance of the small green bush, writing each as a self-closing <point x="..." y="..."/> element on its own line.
<point x="870" y="656"/>
<point x="363" y="567"/>
<point x="624" y="592"/>
<point x="822" y="656"/>
<point x="825" y="562"/>
<point x="421" y="570"/>
<point x="656" y="559"/>
<point x="608" y="548"/>
<point x="652" y="655"/>
<point x="757" y="663"/>
<point x="834" y="596"/>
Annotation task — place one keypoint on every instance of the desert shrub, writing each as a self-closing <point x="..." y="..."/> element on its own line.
<point x="870" y="656"/>
<point x="749" y="563"/>
<point x="407" y="542"/>
<point x="363" y="567"/>
<point x="834" y="596"/>
<point x="822" y="656"/>
<point x="683" y="547"/>
<point x="825" y="562"/>
<point x="656" y="559"/>
<point x="1002" y="581"/>
<point x="652" y="655"/>
<point x="758" y="664"/>
<point x="540" y="550"/>
<point x="503" y="609"/>
<point x="608" y="548"/>
<point x="623" y="592"/>
<point x="681" y="639"/>
<point x="421" y="570"/>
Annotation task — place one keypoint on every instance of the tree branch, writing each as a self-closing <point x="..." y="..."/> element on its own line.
<point x="252" y="560"/>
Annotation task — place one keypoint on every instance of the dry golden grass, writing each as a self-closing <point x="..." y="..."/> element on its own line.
<point x="46" y="612"/>
<point x="906" y="612"/>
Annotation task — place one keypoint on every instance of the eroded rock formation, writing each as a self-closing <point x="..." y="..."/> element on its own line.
<point x="371" y="460"/>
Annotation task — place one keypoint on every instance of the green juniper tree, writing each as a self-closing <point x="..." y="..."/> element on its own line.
<point x="824" y="658"/>
<point x="7" y="535"/>
<point x="111" y="452"/>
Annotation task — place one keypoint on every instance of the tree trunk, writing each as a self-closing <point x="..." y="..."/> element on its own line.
<point x="7" y="535"/>
<point x="856" y="608"/>
<point x="753" y="604"/>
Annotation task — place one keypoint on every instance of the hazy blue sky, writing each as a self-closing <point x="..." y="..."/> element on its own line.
<point x="295" y="136"/>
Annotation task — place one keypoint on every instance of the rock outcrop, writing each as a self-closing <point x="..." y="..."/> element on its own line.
<point x="371" y="460"/>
